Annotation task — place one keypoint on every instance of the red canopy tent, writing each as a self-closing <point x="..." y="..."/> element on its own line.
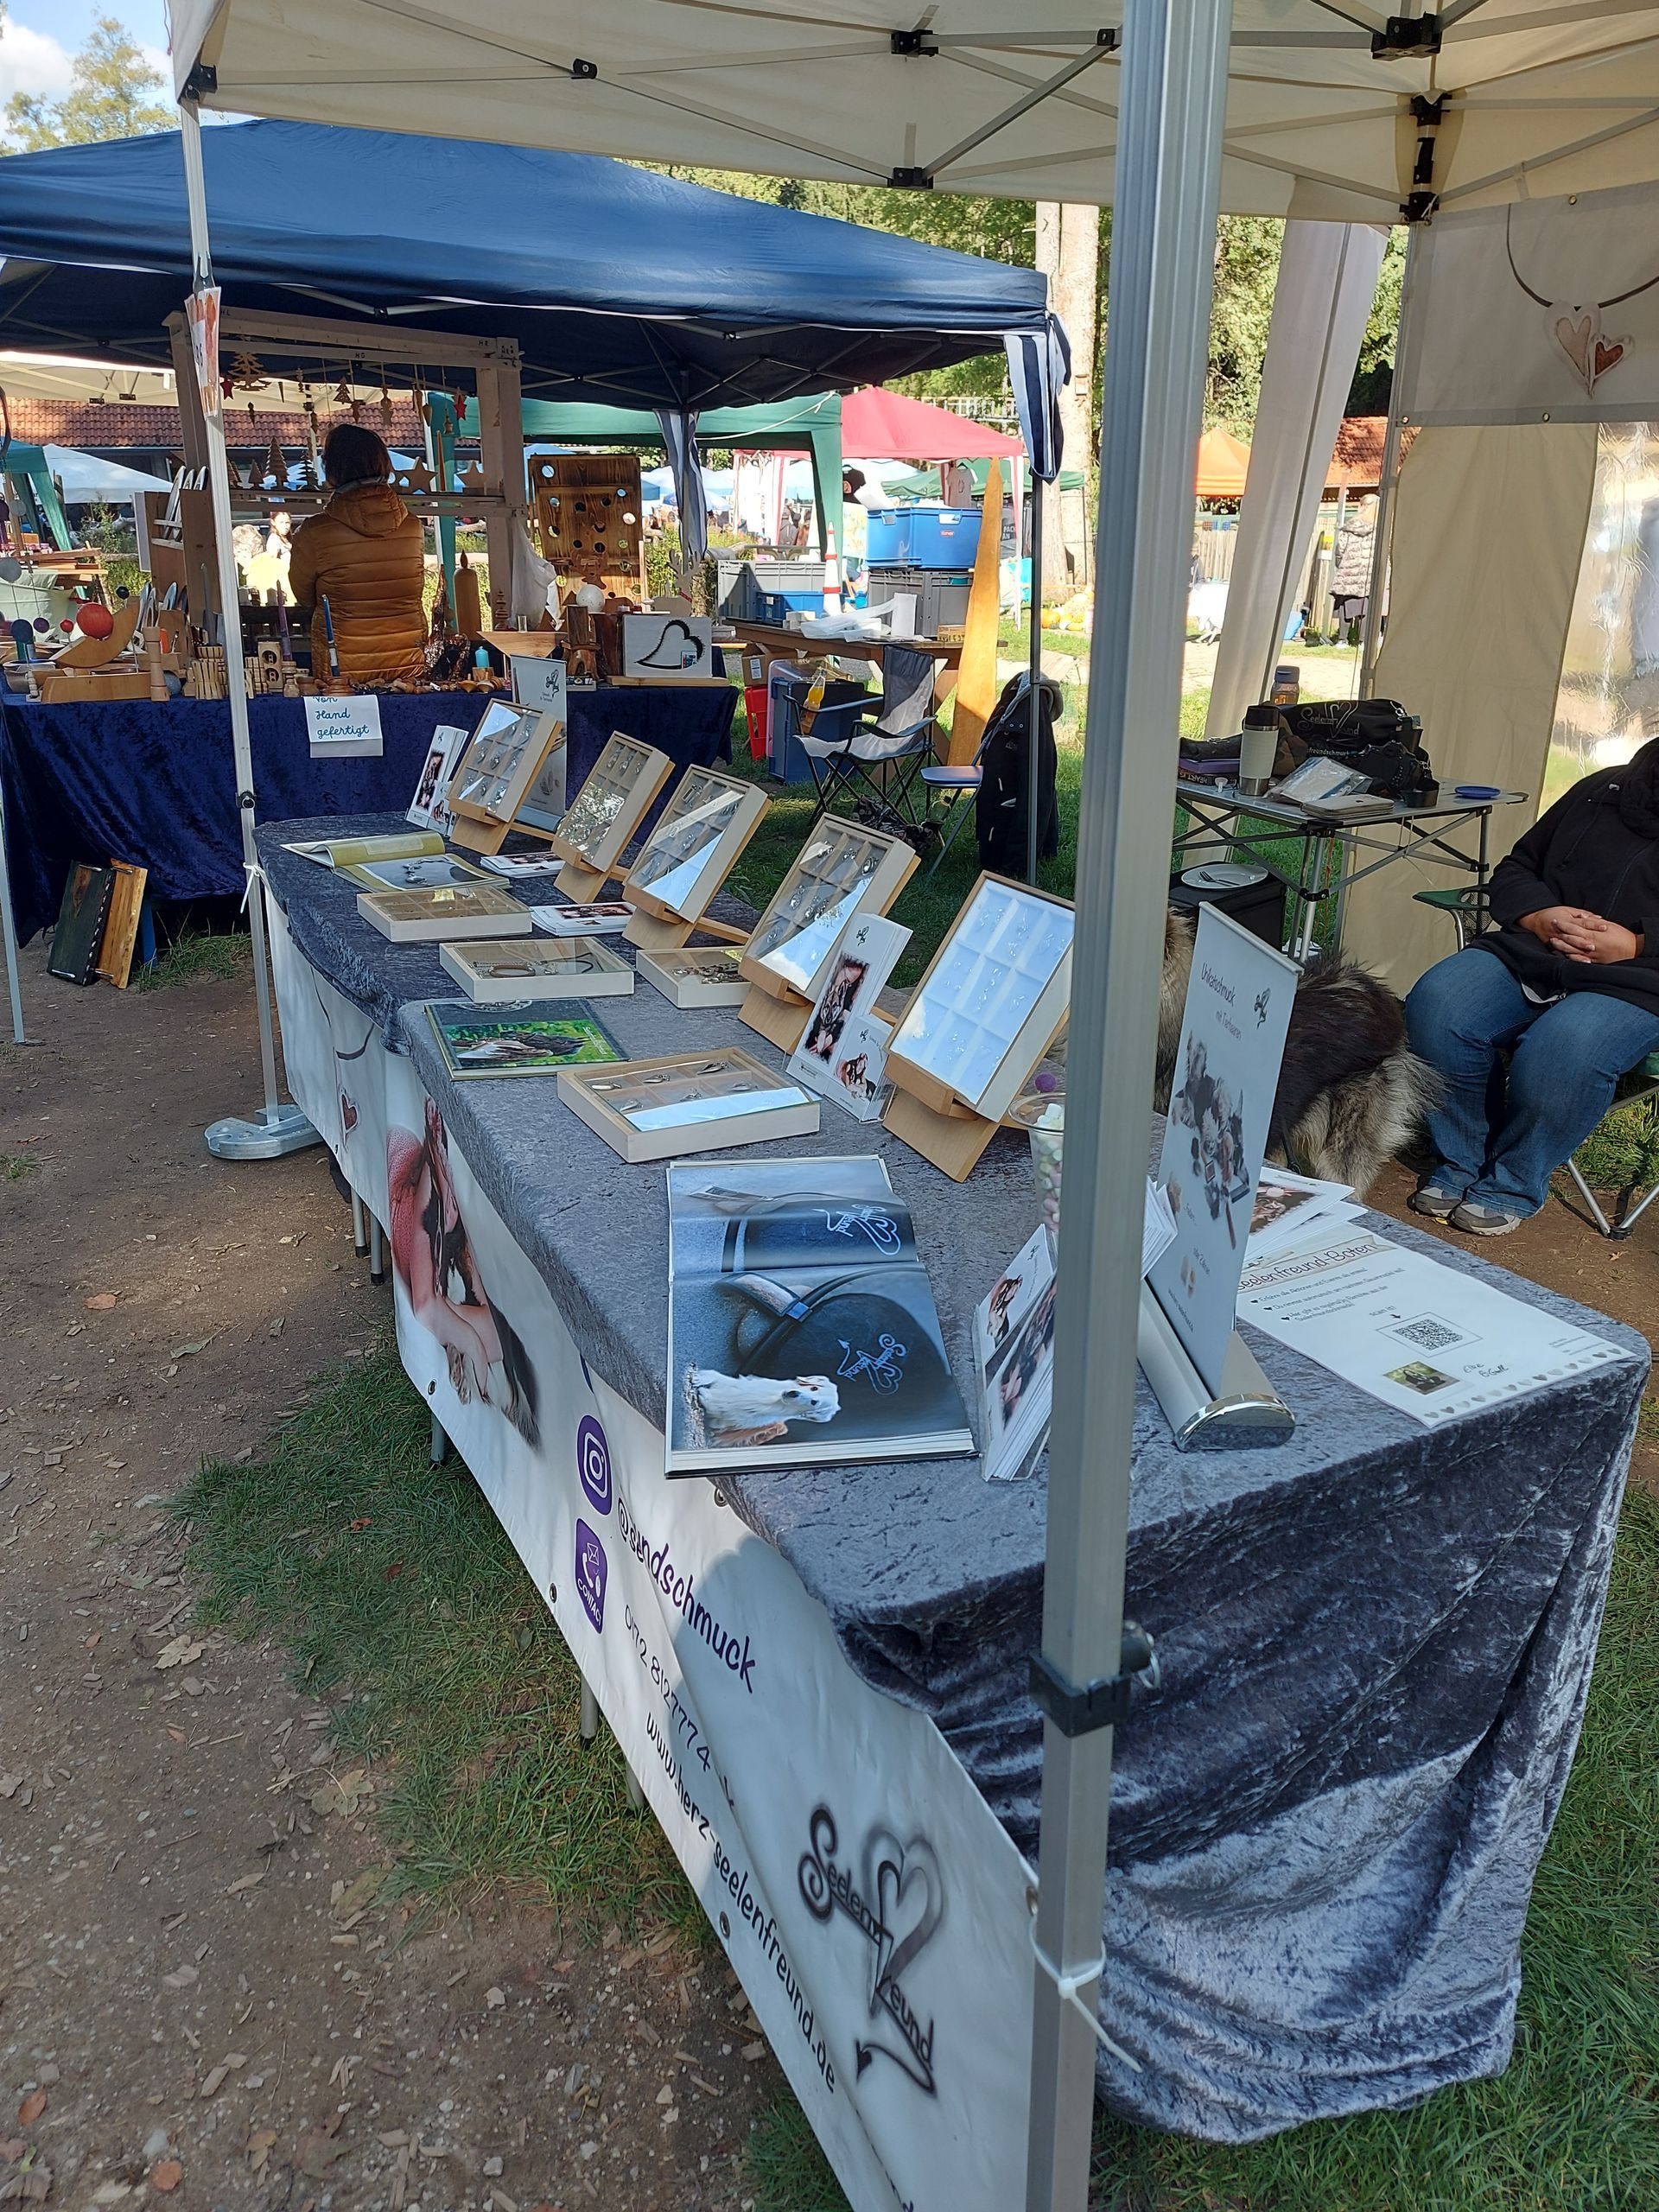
<point x="879" y="425"/>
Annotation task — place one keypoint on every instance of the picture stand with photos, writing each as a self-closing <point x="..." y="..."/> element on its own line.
<point x="509" y="750"/>
<point x="843" y="870"/>
<point x="992" y="1001"/>
<point x="603" y="818"/>
<point x="688" y="856"/>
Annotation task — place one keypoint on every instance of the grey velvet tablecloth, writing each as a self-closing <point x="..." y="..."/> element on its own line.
<point x="1374" y="1641"/>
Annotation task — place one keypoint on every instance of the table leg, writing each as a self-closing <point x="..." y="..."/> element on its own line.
<point x="377" y="1252"/>
<point x="359" y="1229"/>
<point x="589" y="1722"/>
<point x="636" y="1794"/>
<point x="441" y="1446"/>
<point x="7" y="930"/>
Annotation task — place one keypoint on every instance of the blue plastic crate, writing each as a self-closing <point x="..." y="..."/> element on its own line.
<point x="843" y="704"/>
<point x="922" y="538"/>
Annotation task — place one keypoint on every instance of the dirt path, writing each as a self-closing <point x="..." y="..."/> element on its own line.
<point x="194" y="2003"/>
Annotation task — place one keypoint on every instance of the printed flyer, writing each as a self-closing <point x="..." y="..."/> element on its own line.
<point x="1426" y="1339"/>
<point x="1238" y="1002"/>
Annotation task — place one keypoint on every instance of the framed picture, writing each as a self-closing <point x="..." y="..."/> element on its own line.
<point x="603" y="817"/>
<point x="654" y="1109"/>
<point x="841" y="871"/>
<point x="698" y="837"/>
<point x="494" y="972"/>
<point x="992" y="1000"/>
<point x="667" y="644"/>
<point x="504" y="759"/>
<point x="518" y="1044"/>
<point x="419" y="872"/>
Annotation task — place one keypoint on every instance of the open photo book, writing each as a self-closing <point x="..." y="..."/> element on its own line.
<point x="802" y="1330"/>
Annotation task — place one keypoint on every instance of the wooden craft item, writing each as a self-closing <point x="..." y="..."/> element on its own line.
<point x="154" y="672"/>
<point x="98" y="652"/>
<point x="656" y="922"/>
<point x="977" y="681"/>
<point x="589" y="511"/>
<point x="937" y="1121"/>
<point x="95" y="685"/>
<point x="776" y="1007"/>
<point x="121" y="924"/>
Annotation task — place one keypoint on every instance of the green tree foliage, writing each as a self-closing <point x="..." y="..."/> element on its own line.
<point x="113" y="95"/>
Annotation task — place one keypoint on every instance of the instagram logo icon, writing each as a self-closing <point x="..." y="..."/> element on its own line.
<point x="594" y="1464"/>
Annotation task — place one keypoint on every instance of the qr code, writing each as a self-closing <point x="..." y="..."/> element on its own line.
<point x="1429" y="1334"/>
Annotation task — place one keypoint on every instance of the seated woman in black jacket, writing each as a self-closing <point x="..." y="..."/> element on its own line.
<point x="1567" y="985"/>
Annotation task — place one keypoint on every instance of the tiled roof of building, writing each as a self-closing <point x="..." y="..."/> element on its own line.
<point x="108" y="425"/>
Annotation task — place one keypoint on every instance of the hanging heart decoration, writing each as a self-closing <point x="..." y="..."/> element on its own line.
<point x="1577" y="331"/>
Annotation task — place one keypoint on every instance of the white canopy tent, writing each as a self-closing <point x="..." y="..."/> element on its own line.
<point x="85" y="478"/>
<point x="1317" y="109"/>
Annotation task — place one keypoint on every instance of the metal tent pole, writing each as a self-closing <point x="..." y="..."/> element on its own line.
<point x="1381" y="543"/>
<point x="276" y="1128"/>
<point x="1173" y="98"/>
<point x="1034" y="723"/>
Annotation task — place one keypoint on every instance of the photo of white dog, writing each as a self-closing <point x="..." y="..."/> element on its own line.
<point x="743" y="1409"/>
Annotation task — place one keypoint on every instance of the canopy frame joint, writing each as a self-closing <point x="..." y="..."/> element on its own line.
<point x="1079" y="1709"/>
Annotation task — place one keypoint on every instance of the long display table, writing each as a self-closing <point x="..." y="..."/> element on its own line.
<point x="156" y="785"/>
<point x="1375" y="1642"/>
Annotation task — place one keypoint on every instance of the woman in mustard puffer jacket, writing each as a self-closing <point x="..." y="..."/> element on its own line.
<point x="365" y="554"/>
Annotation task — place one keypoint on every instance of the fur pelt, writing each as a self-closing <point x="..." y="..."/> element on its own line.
<point x="1351" y="1093"/>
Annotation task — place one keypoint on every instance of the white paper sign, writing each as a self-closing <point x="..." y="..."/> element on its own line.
<point x="1238" y="1002"/>
<point x="667" y="644"/>
<point x="539" y="680"/>
<point x="343" y="728"/>
<point x="1426" y="1339"/>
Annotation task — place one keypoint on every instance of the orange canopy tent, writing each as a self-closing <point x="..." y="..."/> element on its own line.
<point x="1223" y="462"/>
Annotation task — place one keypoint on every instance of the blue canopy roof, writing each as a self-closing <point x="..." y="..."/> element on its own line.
<point x="616" y="284"/>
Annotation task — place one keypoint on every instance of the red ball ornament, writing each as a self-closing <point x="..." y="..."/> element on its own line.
<point x="68" y="624"/>
<point x="95" y="620"/>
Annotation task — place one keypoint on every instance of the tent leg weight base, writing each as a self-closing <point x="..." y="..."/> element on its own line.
<point x="273" y="1131"/>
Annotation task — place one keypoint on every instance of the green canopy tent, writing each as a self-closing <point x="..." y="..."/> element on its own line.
<point x="811" y="425"/>
<point x="924" y="483"/>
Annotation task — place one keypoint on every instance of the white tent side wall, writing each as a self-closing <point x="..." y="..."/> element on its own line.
<point x="1321" y="302"/>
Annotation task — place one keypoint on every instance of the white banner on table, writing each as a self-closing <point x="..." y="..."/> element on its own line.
<point x="1238" y="1001"/>
<point x="1426" y="1339"/>
<point x="343" y="728"/>
<point x="875" y="1910"/>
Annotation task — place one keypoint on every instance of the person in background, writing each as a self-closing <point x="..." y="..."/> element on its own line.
<point x="1567" y="985"/>
<point x="365" y="554"/>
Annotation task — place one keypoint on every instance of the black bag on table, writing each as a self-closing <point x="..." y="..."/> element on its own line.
<point x="1000" y="808"/>
<point x="1376" y="736"/>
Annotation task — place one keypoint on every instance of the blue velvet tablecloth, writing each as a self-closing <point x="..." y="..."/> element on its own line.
<point x="127" y="780"/>
<point x="1376" y="1642"/>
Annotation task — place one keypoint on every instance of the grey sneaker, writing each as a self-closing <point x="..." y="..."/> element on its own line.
<point x="1483" y="1220"/>
<point x="1439" y="1205"/>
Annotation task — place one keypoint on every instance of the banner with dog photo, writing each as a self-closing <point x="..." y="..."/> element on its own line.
<point x="1238" y="1004"/>
<point x="858" y="1882"/>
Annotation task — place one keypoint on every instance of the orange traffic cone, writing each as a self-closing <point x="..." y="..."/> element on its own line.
<point x="831" y="576"/>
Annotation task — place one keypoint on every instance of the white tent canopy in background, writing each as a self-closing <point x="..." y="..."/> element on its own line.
<point x="85" y="478"/>
<point x="1560" y="93"/>
<point x="1327" y="279"/>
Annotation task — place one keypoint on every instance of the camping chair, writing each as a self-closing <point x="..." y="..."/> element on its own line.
<point x="1468" y="911"/>
<point x="956" y="789"/>
<point x="878" y="760"/>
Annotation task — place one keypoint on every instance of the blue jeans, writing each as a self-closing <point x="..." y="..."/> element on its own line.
<point x="1498" y="1137"/>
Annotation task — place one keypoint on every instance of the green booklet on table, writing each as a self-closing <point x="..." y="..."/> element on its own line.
<point x="474" y="1043"/>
